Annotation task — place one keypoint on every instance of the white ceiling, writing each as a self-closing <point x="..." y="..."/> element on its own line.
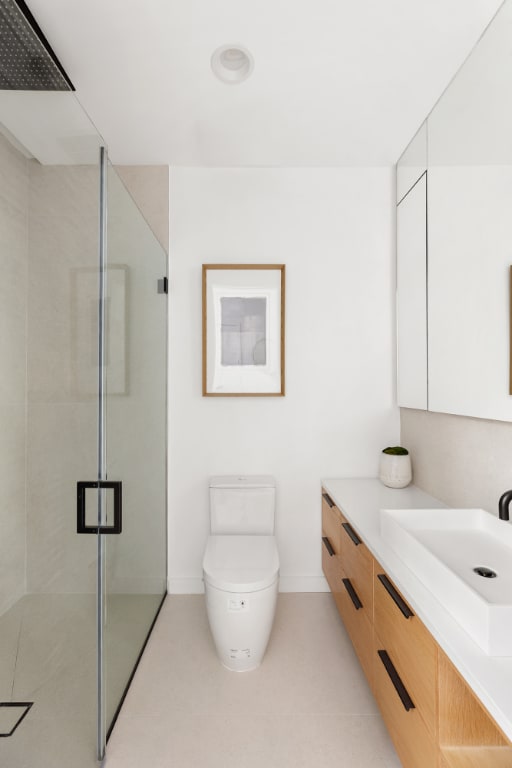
<point x="335" y="82"/>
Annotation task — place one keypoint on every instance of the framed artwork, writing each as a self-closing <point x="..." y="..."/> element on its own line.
<point x="243" y="330"/>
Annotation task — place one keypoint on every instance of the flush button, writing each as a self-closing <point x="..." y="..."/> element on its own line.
<point x="238" y="604"/>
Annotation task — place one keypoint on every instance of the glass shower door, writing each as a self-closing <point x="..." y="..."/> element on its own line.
<point x="69" y="326"/>
<point x="48" y="441"/>
<point x="135" y="400"/>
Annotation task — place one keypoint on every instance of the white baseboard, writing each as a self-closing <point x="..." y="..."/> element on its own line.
<point x="135" y="586"/>
<point x="303" y="584"/>
<point x="185" y="586"/>
<point x="195" y="586"/>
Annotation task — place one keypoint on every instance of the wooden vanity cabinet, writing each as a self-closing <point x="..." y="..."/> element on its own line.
<point x="433" y="717"/>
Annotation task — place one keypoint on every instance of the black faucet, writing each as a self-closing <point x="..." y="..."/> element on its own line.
<point x="504" y="504"/>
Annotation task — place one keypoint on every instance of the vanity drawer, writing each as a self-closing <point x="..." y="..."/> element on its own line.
<point x="331" y="566"/>
<point x="357" y="624"/>
<point x="357" y="562"/>
<point x="413" y="742"/>
<point x="409" y="645"/>
<point x="331" y="523"/>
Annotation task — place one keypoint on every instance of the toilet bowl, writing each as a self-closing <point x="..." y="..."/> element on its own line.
<point x="241" y="569"/>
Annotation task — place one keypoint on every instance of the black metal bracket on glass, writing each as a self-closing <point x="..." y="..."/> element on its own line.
<point x="352" y="594"/>
<point x="397" y="682"/>
<point x="81" y="526"/>
<point x="163" y="285"/>
<point x="328" y="545"/>
<point x="350" y="531"/>
<point x="397" y="598"/>
<point x="328" y="499"/>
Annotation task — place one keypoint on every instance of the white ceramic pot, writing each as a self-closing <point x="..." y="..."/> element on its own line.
<point x="395" y="471"/>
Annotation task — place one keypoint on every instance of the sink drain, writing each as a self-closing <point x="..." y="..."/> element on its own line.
<point x="487" y="573"/>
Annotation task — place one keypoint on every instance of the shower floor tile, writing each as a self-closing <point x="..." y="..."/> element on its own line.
<point x="307" y="705"/>
<point x="48" y="657"/>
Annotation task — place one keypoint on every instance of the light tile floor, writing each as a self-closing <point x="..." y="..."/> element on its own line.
<point x="308" y="704"/>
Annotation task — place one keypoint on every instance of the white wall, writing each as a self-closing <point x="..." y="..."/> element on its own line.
<point x="333" y="228"/>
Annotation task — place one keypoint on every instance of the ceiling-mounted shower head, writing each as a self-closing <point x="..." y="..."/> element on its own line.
<point x="27" y="61"/>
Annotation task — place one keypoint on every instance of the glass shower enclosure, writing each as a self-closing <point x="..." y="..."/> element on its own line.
<point x="83" y="318"/>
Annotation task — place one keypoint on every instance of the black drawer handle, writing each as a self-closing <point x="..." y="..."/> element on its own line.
<point x="398" y="599"/>
<point x="328" y="545"/>
<point x="328" y="499"/>
<point x="353" y="535"/>
<point x="352" y="594"/>
<point x="397" y="682"/>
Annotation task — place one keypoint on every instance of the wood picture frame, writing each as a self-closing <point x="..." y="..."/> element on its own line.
<point x="243" y="329"/>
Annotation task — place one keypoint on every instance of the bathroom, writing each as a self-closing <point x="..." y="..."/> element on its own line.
<point x="325" y="209"/>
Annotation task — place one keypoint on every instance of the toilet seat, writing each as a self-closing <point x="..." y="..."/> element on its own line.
<point x="241" y="563"/>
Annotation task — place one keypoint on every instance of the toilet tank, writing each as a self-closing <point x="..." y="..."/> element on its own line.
<point x="242" y="505"/>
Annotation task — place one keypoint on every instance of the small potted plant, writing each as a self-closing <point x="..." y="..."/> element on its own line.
<point x="395" y="467"/>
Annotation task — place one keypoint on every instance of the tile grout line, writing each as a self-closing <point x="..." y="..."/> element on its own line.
<point x="17" y="654"/>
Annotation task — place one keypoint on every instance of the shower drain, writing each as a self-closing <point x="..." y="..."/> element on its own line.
<point x="487" y="573"/>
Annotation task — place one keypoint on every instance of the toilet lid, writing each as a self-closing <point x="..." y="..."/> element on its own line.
<point x="241" y="563"/>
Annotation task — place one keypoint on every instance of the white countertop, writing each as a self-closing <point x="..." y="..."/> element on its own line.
<point x="490" y="677"/>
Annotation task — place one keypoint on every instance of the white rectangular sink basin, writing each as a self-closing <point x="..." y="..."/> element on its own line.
<point x="443" y="547"/>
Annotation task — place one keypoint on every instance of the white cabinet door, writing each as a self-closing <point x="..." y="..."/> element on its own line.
<point x="470" y="253"/>
<point x="412" y="297"/>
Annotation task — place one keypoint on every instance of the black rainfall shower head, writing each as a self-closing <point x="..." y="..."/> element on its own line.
<point x="27" y="62"/>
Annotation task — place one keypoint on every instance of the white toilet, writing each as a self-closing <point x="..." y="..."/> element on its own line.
<point x="241" y="568"/>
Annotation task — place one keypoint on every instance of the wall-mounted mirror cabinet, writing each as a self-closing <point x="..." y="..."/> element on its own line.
<point x="462" y="326"/>
<point x="411" y="278"/>
<point x="411" y="274"/>
<point x="412" y="163"/>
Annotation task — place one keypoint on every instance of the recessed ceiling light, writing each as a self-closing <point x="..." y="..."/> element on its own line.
<point x="232" y="63"/>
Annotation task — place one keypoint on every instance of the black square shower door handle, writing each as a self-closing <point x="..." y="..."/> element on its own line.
<point x="117" y="487"/>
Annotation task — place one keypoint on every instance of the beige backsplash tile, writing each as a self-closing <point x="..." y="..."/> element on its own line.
<point x="462" y="461"/>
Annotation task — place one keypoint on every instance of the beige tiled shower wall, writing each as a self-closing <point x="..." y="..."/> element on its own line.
<point x="62" y="351"/>
<point x="13" y="332"/>
<point x="462" y="461"/>
<point x="48" y="410"/>
<point x="62" y="372"/>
